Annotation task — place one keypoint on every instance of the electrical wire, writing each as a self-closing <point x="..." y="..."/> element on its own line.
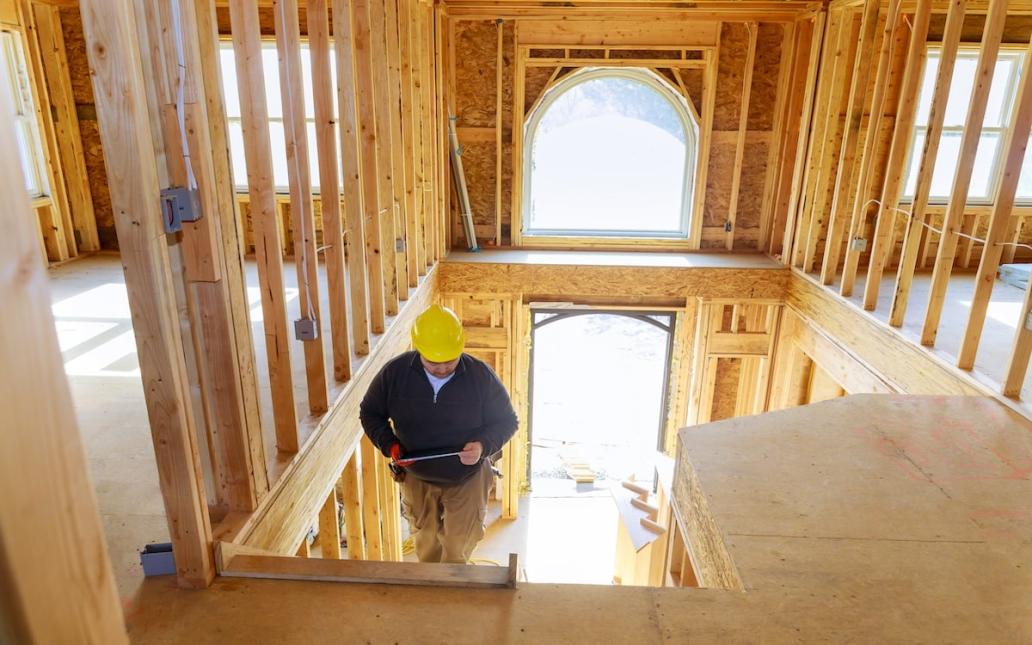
<point x="910" y="216"/>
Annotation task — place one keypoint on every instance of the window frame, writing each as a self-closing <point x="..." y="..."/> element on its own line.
<point x="1010" y="96"/>
<point x="673" y="96"/>
<point x="25" y="116"/>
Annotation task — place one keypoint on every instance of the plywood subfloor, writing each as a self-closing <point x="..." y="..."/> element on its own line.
<point x="694" y="260"/>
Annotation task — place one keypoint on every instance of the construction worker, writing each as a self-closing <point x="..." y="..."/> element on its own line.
<point x="437" y="400"/>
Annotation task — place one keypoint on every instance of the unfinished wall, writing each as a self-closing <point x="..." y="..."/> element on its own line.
<point x="472" y="84"/>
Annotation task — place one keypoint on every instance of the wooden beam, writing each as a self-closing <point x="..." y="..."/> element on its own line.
<point x="743" y="125"/>
<point x="709" y="83"/>
<point x="295" y="135"/>
<point x="894" y="26"/>
<point x="351" y="499"/>
<point x="914" y="227"/>
<point x="254" y="119"/>
<point x="409" y="125"/>
<point x="354" y="208"/>
<point x="1017" y="363"/>
<point x="499" y="63"/>
<point x="113" y="50"/>
<point x="357" y="571"/>
<point x="66" y="124"/>
<point x="895" y="169"/>
<point x="48" y="512"/>
<point x="369" y="172"/>
<point x="776" y="148"/>
<point x="402" y="223"/>
<point x="954" y="216"/>
<point x="1003" y="204"/>
<point x="371" y="509"/>
<point x="842" y="189"/>
<point x="329" y="188"/>
<point x="329" y="528"/>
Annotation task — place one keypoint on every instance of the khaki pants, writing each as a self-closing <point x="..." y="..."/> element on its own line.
<point x="447" y="521"/>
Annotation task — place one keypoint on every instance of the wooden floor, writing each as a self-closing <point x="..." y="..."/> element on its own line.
<point x="869" y="519"/>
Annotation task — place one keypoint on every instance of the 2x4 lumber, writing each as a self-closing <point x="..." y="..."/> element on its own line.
<point x="499" y="62"/>
<point x="421" y="139"/>
<point x="369" y="171"/>
<point x="48" y="512"/>
<point x="381" y="122"/>
<point x="796" y="182"/>
<point x="1017" y="363"/>
<point x="299" y="180"/>
<point x="435" y="115"/>
<point x="954" y="215"/>
<point x="113" y="50"/>
<point x="401" y="215"/>
<point x="371" y="501"/>
<point x="896" y="166"/>
<point x="831" y="139"/>
<point x="776" y="152"/>
<point x="414" y="233"/>
<point x="390" y="508"/>
<point x="516" y="162"/>
<point x="354" y="208"/>
<point x="232" y="240"/>
<point x="1003" y="205"/>
<point x="893" y="26"/>
<point x="400" y="573"/>
<point x="66" y="124"/>
<point x="329" y="188"/>
<point x="329" y="528"/>
<point x="803" y="204"/>
<point x="254" y="120"/>
<point x="238" y="479"/>
<point x="743" y="124"/>
<point x="709" y="83"/>
<point x="914" y="226"/>
<point x="351" y="492"/>
<point x="842" y="190"/>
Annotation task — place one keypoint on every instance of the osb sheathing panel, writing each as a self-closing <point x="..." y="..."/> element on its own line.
<point x="718" y="184"/>
<point x="693" y="82"/>
<point x="476" y="56"/>
<point x="750" y="197"/>
<point x="535" y="80"/>
<point x="89" y="130"/>
<point x="613" y="283"/>
<point x="734" y="48"/>
<point x="478" y="162"/>
<point x="769" y="38"/>
<point x="1016" y="29"/>
<point x="725" y="388"/>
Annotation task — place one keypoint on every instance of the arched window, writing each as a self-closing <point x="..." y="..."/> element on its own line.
<point x="610" y="153"/>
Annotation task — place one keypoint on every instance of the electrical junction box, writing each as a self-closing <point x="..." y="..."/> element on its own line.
<point x="179" y="205"/>
<point x="157" y="559"/>
<point x="305" y="329"/>
<point x="858" y="244"/>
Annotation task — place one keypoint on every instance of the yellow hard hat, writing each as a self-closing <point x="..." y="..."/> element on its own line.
<point x="437" y="334"/>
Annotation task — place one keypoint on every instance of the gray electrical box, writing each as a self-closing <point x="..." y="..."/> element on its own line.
<point x="858" y="244"/>
<point x="306" y="329"/>
<point x="179" y="205"/>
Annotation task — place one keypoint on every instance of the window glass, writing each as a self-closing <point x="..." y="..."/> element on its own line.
<point x="18" y="95"/>
<point x="610" y="153"/>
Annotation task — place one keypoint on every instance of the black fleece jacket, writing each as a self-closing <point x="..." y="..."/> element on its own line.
<point x="472" y="406"/>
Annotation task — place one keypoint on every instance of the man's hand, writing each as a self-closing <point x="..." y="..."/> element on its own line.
<point x="471" y="453"/>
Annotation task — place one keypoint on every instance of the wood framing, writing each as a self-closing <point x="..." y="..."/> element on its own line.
<point x="743" y="123"/>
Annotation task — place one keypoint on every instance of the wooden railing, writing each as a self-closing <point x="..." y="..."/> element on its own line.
<point x="846" y="220"/>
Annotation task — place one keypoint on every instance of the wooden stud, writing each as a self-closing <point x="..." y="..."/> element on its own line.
<point x="329" y="528"/>
<point x="113" y="49"/>
<point x="390" y="514"/>
<point x="1003" y="204"/>
<point x="743" y="123"/>
<point x="797" y="182"/>
<point x="712" y="58"/>
<point x="66" y="124"/>
<point x="777" y="149"/>
<point x="895" y="173"/>
<point x="48" y="512"/>
<point x="499" y="63"/>
<point x="954" y="215"/>
<point x="843" y="186"/>
<point x="350" y="159"/>
<point x="831" y="138"/>
<point x="258" y="152"/>
<point x="414" y="231"/>
<point x="371" y="501"/>
<point x="329" y="188"/>
<point x="371" y="196"/>
<point x="295" y="134"/>
<point x="893" y="29"/>
<point x="351" y="498"/>
<point x="518" y="119"/>
<point x="914" y="227"/>
<point x="401" y="219"/>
